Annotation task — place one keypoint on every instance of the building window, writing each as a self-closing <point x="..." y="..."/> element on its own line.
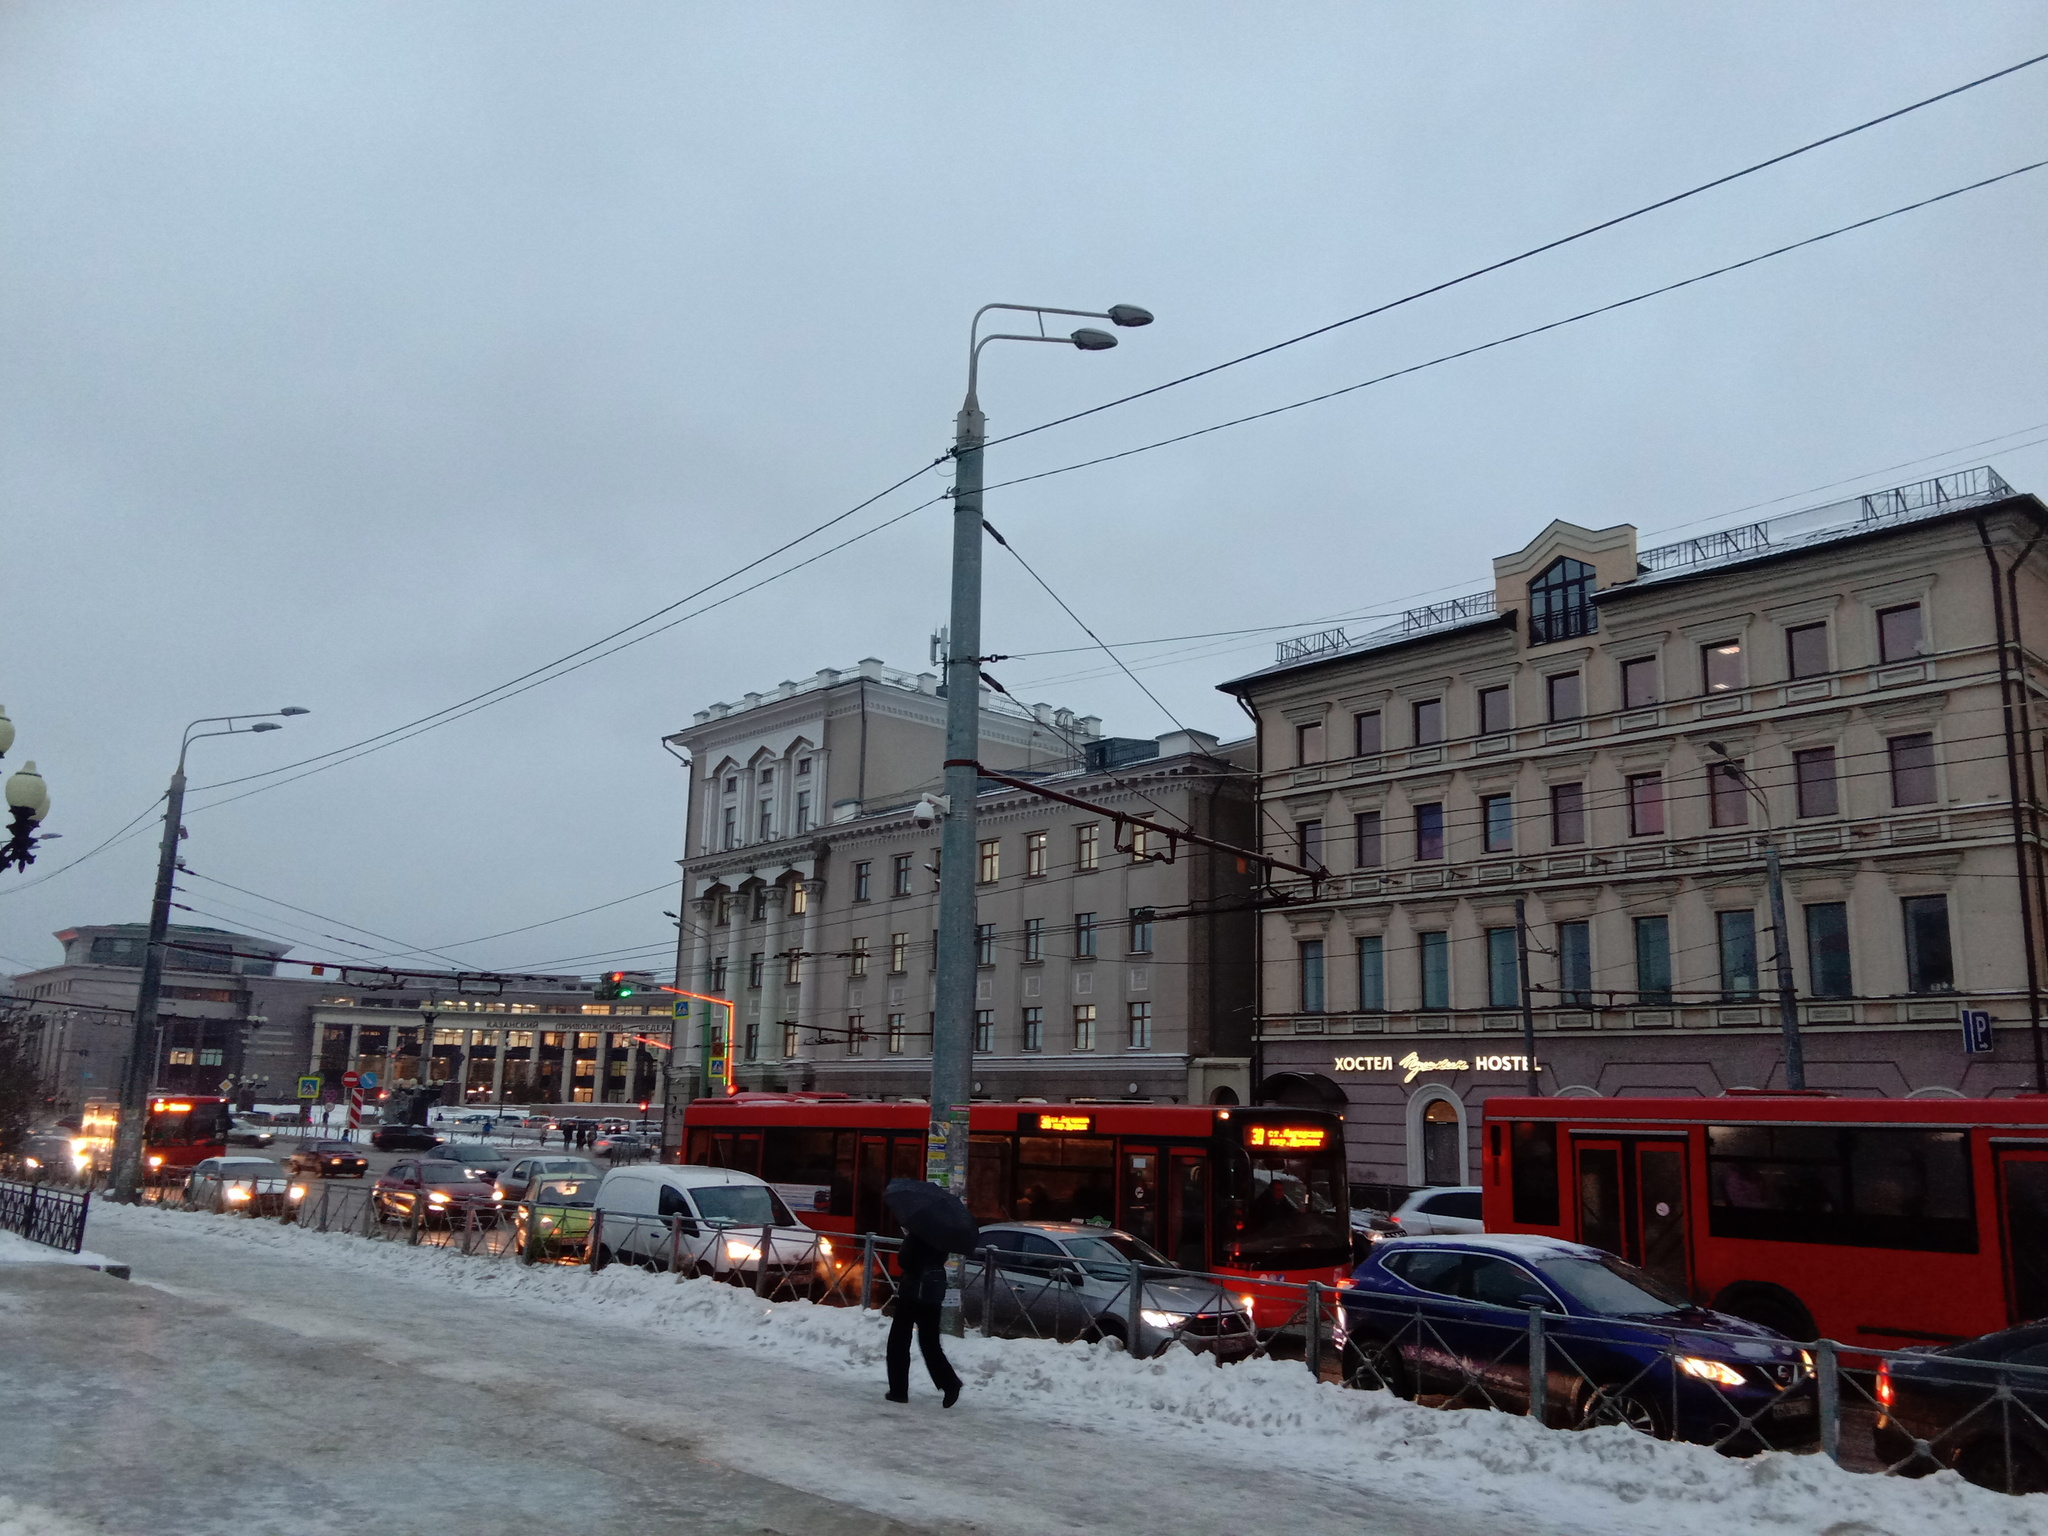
<point x="1367" y="738"/>
<point x="1645" y="804"/>
<point x="1308" y="743"/>
<point x="765" y="828"/>
<point x="1493" y="711"/>
<point x="803" y="767"/>
<point x="1141" y="930"/>
<point x="1433" y="954"/>
<point x="181" y="1056"/>
<point x="1930" y="965"/>
<point x="937" y="866"/>
<point x="1429" y="721"/>
<point x="1084" y="935"/>
<point x="1806" y="650"/>
<point x="984" y="1029"/>
<point x="1727" y="799"/>
<point x="1567" y="813"/>
<point x="794" y="960"/>
<point x="1639" y="682"/>
<point x="1034" y="853"/>
<point x="1034" y="1029"/>
<point x="1034" y="938"/>
<point x="1827" y="949"/>
<point x="789" y="1048"/>
<point x="934" y="951"/>
<point x="1899" y="633"/>
<point x="858" y="959"/>
<point x="1372" y="974"/>
<point x="1721" y="667"/>
<point x="1429" y="831"/>
<point x="732" y="826"/>
<point x="803" y="810"/>
<point x="1503" y="976"/>
<point x="759" y="902"/>
<point x="754" y="964"/>
<point x="989" y="864"/>
<point x="1575" y="965"/>
<point x="1561" y="602"/>
<point x="1141" y="846"/>
<point x="754" y="1042"/>
<point x="896" y="1034"/>
<point x="1308" y="841"/>
<point x="984" y="943"/>
<point x="1498" y="814"/>
<point x="767" y="778"/>
<point x="1567" y="697"/>
<point x="1311" y="954"/>
<point x="1366" y="832"/>
<point x="732" y="783"/>
<point x="863" y="881"/>
<point x="1912" y="762"/>
<point x="899" y="874"/>
<point x="1141" y="1026"/>
<point x="1084" y="1026"/>
<point x="718" y="976"/>
<point x="899" y="953"/>
<point x="1088" y="847"/>
<point x="1653" y="959"/>
<point x="1813" y="772"/>
<point x="1737" y="933"/>
<point x="800" y="898"/>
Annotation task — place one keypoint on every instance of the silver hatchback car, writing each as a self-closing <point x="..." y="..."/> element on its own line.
<point x="1061" y="1280"/>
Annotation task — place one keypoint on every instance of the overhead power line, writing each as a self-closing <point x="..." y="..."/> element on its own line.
<point x="1533" y="251"/>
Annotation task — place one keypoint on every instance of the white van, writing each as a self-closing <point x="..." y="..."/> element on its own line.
<point x="701" y="1219"/>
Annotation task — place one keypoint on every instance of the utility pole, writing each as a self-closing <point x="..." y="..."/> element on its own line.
<point x="1781" y="937"/>
<point x="1528" y="1005"/>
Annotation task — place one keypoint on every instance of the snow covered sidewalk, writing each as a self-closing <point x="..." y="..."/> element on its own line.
<point x="1048" y="1437"/>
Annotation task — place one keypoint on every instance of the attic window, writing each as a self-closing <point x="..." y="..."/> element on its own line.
<point x="1561" y="602"/>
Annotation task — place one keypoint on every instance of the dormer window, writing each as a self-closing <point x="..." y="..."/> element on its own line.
<point x="1561" y="602"/>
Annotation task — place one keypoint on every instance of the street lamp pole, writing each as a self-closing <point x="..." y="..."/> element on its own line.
<point x="953" y="1013"/>
<point x="1781" y="937"/>
<point x="141" y="1067"/>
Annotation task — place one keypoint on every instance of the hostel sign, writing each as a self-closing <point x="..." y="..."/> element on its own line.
<point x="1412" y="1066"/>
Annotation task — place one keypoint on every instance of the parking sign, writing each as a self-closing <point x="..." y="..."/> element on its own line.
<point x="1976" y="1031"/>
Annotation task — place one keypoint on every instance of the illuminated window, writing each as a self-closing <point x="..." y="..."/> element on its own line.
<point x="1721" y="666"/>
<point x="899" y="953"/>
<point x="1088" y="847"/>
<point x="181" y="1057"/>
<point x="800" y="898"/>
<point x="896" y="1034"/>
<point x="857" y="962"/>
<point x="989" y="865"/>
<point x="789" y="1044"/>
<point x="1034" y="853"/>
<point x="1084" y="1026"/>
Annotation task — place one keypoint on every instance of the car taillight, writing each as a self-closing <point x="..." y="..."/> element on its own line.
<point x="1887" y="1394"/>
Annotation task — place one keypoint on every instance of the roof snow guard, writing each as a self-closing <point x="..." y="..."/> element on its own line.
<point x="1816" y="525"/>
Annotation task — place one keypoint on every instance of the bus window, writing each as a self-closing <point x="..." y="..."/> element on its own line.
<point x="1139" y="1213"/>
<point x="1286" y="1209"/>
<point x="988" y="1178"/>
<point x="1600" y="1195"/>
<point x="1187" y="1211"/>
<point x="1861" y="1186"/>
<point x="1660" y="1193"/>
<point x="1532" y="1161"/>
<point x="1066" y="1178"/>
<point x="2023" y="1201"/>
<point x="803" y="1162"/>
<point x="700" y="1148"/>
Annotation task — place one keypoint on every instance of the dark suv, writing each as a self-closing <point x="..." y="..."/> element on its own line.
<point x="1979" y="1407"/>
<point x="404" y="1138"/>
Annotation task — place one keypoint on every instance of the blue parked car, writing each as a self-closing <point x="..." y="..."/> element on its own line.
<point x="1448" y="1317"/>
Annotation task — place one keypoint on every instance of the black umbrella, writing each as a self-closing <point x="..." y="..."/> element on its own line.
<point x="932" y="1215"/>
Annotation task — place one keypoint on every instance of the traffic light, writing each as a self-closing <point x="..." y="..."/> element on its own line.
<point x="615" y="985"/>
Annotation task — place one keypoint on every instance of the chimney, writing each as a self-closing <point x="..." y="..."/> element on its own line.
<point x="871" y="668"/>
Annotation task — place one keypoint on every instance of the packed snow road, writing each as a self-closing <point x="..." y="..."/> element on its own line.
<point x="256" y="1379"/>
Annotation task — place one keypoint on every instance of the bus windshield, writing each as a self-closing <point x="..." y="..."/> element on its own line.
<point x="1288" y="1209"/>
<point x="181" y="1123"/>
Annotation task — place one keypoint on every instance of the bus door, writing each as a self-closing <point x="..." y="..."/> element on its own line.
<point x="1184" y="1236"/>
<point x="1138" y="1194"/>
<point x="882" y="1158"/>
<point x="1632" y="1194"/>
<point x="2023" y="1227"/>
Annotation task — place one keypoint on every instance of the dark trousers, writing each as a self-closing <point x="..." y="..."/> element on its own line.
<point x="924" y="1318"/>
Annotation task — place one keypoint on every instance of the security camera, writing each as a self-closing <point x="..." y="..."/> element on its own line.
<point x="929" y="809"/>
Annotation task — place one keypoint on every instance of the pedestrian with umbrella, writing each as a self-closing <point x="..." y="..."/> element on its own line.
<point x="935" y="1224"/>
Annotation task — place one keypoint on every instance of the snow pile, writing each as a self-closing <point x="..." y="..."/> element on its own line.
<point x="19" y="1250"/>
<point x="1266" y="1415"/>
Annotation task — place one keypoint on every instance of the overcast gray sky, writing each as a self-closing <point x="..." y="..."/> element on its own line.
<point x="367" y="356"/>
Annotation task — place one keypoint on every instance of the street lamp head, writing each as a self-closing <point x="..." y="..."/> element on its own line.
<point x="1088" y="339"/>
<point x="295" y="709"/>
<point x="1129" y="314"/>
<point x="266" y="725"/>
<point x="6" y="731"/>
<point x="1717" y="749"/>
<point x="26" y="791"/>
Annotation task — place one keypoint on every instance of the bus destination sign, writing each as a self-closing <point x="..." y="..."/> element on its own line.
<point x="1059" y="1123"/>
<point x="1287" y="1138"/>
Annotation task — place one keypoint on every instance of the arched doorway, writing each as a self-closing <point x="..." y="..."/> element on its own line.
<point x="1436" y="1137"/>
<point x="1224" y="1095"/>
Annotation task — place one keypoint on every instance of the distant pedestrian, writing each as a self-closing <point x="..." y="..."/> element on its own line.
<point x="489" y="1125"/>
<point x="920" y="1293"/>
<point x="568" y="1135"/>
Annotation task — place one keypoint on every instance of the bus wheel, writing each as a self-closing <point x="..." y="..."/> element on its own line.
<point x="1772" y="1306"/>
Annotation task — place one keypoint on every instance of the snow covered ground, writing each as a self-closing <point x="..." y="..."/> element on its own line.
<point x="1047" y="1438"/>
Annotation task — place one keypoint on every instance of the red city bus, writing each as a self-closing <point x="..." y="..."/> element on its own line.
<point x="1258" y="1192"/>
<point x="181" y="1129"/>
<point x="1887" y="1222"/>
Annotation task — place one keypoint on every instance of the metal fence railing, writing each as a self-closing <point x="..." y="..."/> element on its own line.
<point x="1900" y="1413"/>
<point x="44" y="1214"/>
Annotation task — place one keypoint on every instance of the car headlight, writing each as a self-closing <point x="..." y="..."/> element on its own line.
<point x="32" y="1162"/>
<point x="825" y="1246"/>
<point x="236" y="1194"/>
<point x="547" y="1221"/>
<point x="1710" y="1370"/>
<point x="1163" y="1319"/>
<point x="1244" y="1303"/>
<point x="437" y="1198"/>
<point x="156" y="1161"/>
<point x="497" y="1194"/>
<point x="298" y="1191"/>
<point x="740" y="1250"/>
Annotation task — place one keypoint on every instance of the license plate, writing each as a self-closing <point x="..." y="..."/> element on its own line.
<point x="1791" y="1408"/>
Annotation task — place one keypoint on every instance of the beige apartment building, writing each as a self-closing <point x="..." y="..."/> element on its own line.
<point x="1107" y="971"/>
<point x="1586" y="736"/>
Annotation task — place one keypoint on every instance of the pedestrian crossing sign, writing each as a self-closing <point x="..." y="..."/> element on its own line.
<point x="309" y="1087"/>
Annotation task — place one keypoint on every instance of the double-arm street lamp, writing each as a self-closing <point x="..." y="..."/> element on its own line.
<point x="28" y="807"/>
<point x="1774" y="878"/>
<point x="135" y="1080"/>
<point x="953" y="1024"/>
